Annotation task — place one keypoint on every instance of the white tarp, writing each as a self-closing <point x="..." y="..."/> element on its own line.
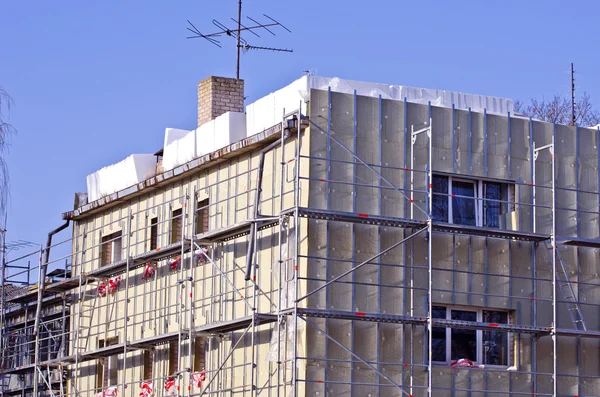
<point x="179" y="147"/>
<point x="268" y="111"/>
<point x="110" y="179"/>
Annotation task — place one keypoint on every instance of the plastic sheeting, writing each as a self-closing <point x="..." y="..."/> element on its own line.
<point x="268" y="111"/>
<point x="115" y="177"/>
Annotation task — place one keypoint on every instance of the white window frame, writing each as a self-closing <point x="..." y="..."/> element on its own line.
<point x="478" y="190"/>
<point x="479" y="202"/>
<point x="117" y="249"/>
<point x="478" y="335"/>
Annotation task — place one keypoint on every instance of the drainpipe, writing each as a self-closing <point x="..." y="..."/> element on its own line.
<point x="42" y="280"/>
<point x="253" y="225"/>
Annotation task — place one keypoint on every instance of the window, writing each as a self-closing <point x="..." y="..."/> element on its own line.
<point x="110" y="250"/>
<point x="173" y="358"/>
<point x="148" y="361"/>
<point x="176" y="220"/>
<point x="202" y="217"/>
<point x="472" y="202"/>
<point x="107" y="371"/>
<point x="153" y="233"/>
<point x="484" y="347"/>
<point x="199" y="360"/>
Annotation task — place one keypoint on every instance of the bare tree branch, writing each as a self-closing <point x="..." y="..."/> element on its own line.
<point x="558" y="110"/>
<point x="6" y="132"/>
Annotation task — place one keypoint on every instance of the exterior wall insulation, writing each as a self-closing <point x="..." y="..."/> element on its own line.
<point x="340" y="305"/>
<point x="468" y="271"/>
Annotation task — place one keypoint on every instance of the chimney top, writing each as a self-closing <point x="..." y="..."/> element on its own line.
<point x="218" y="95"/>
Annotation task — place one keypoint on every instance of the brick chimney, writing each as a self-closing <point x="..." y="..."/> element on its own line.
<point x="218" y="95"/>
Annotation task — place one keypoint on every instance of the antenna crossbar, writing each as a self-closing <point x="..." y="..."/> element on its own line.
<point x="236" y="33"/>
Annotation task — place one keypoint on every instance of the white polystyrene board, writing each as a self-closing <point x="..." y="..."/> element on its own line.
<point x="179" y="148"/>
<point x="113" y="178"/>
<point x="269" y="110"/>
<point x="205" y="138"/>
<point x="145" y="166"/>
<point x="229" y="128"/>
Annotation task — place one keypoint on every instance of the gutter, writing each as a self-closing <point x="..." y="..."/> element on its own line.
<point x="256" y="224"/>
<point x="43" y="270"/>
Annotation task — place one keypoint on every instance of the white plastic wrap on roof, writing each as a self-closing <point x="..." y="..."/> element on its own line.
<point x="182" y="146"/>
<point x="110" y="179"/>
<point x="268" y="111"/>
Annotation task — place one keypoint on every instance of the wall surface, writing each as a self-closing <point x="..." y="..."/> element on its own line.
<point x="468" y="271"/>
<point x="154" y="305"/>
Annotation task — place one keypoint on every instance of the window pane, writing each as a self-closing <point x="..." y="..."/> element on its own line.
<point x="464" y="341"/>
<point x="438" y="345"/>
<point x="440" y="201"/>
<point x="492" y="208"/>
<point x="495" y="344"/>
<point x="463" y="208"/>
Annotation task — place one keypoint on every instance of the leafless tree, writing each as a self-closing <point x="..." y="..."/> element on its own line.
<point x="6" y="132"/>
<point x="558" y="110"/>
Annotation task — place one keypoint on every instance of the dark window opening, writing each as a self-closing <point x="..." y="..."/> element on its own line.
<point x="489" y="347"/>
<point x="199" y="354"/>
<point x="148" y="361"/>
<point x="495" y="344"/>
<point x="438" y="346"/>
<point x="463" y="203"/>
<point x="176" y="222"/>
<point x="440" y="201"/>
<point x="491" y="205"/>
<point x="110" y="249"/>
<point x="471" y="202"/>
<point x="107" y="371"/>
<point x="202" y="216"/>
<point x="464" y="341"/>
<point x="153" y="233"/>
<point x="173" y="358"/>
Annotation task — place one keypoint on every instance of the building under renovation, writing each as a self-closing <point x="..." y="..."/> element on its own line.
<point x="334" y="238"/>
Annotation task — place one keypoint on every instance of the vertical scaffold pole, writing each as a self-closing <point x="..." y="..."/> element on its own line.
<point x="126" y="312"/>
<point x="429" y="262"/>
<point x="36" y="348"/>
<point x="280" y="262"/>
<point x="192" y="292"/>
<point x="296" y="249"/>
<point x="553" y="240"/>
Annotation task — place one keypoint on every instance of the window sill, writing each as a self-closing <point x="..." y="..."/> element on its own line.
<point x="476" y="366"/>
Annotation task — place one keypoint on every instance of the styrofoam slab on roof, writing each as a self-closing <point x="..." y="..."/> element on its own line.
<point x="113" y="178"/>
<point x="268" y="111"/>
<point x="179" y="147"/>
<point x="229" y="128"/>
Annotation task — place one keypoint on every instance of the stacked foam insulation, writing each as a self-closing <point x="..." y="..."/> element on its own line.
<point x="179" y="147"/>
<point x="115" y="177"/>
<point x="182" y="146"/>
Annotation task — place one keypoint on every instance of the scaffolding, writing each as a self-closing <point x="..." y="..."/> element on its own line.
<point x="325" y="321"/>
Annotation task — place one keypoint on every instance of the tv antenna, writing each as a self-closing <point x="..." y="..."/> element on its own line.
<point x="237" y="34"/>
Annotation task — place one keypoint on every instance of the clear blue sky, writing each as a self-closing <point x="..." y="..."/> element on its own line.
<point x="95" y="81"/>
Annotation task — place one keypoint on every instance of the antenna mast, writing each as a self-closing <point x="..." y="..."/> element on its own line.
<point x="237" y="34"/>
<point x="572" y="95"/>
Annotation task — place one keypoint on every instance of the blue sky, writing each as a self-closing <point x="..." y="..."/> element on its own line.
<point x="94" y="81"/>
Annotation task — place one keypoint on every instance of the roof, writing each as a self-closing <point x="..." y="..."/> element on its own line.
<point x="209" y="160"/>
<point x="11" y="291"/>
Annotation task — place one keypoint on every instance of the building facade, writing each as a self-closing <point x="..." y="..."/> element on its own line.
<point x="360" y="246"/>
